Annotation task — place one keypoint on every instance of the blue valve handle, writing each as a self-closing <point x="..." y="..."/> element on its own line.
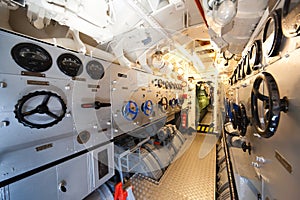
<point x="130" y="110"/>
<point x="147" y="107"/>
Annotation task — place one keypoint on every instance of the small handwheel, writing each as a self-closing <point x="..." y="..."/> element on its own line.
<point x="163" y="103"/>
<point x="40" y="109"/>
<point x="130" y="110"/>
<point x="266" y="121"/>
<point x="234" y="114"/>
<point x="235" y="117"/>
<point x="172" y="102"/>
<point x="147" y="107"/>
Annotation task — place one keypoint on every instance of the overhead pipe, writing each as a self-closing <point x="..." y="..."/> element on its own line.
<point x="200" y="8"/>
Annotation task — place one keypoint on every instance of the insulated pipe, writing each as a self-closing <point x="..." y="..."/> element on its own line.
<point x="200" y="8"/>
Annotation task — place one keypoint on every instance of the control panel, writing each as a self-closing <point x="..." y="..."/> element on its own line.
<point x="142" y="101"/>
<point x="54" y="103"/>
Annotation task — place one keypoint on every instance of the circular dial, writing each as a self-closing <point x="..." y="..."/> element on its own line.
<point x="130" y="110"/>
<point x="95" y="69"/>
<point x="40" y="109"/>
<point x="272" y="35"/>
<point x="31" y="57"/>
<point x="69" y="64"/>
<point x="244" y="66"/>
<point x="147" y="107"/>
<point x="247" y="68"/>
<point x="239" y="68"/>
<point x="236" y="75"/>
<point x="255" y="55"/>
<point x="160" y="83"/>
<point x="266" y="111"/>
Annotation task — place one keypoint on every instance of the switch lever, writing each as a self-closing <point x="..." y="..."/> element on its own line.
<point x="97" y="105"/>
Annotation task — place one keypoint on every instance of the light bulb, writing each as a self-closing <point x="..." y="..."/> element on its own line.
<point x="225" y="12"/>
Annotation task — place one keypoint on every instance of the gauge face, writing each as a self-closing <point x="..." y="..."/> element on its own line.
<point x="252" y="55"/>
<point x="31" y="57"/>
<point x="255" y="54"/>
<point x="69" y="64"/>
<point x="95" y="69"/>
<point x="272" y="35"/>
<point x="245" y="66"/>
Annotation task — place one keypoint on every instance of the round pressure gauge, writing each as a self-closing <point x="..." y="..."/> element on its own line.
<point x="69" y="64"/>
<point x="255" y="55"/>
<point x="272" y="35"/>
<point x="95" y="69"/>
<point x="31" y="57"/>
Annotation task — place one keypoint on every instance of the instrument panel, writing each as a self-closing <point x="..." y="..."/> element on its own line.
<point x="141" y="100"/>
<point x="266" y="100"/>
<point x="57" y="103"/>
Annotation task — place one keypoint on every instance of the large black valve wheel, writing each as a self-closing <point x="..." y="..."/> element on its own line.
<point x="266" y="115"/>
<point x="40" y="109"/>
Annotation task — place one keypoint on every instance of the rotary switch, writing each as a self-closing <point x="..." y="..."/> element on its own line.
<point x="40" y="109"/>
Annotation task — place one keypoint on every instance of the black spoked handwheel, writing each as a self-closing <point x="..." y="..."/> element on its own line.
<point x="40" y="109"/>
<point x="163" y="104"/>
<point x="244" y="121"/>
<point x="235" y="119"/>
<point x="235" y="114"/>
<point x="266" y="120"/>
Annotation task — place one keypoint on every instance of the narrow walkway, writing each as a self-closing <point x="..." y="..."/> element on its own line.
<point x="208" y="118"/>
<point x="189" y="177"/>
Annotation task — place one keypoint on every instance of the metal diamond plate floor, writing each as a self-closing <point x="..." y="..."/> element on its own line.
<point x="189" y="177"/>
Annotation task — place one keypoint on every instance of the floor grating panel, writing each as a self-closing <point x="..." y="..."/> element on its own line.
<point x="189" y="177"/>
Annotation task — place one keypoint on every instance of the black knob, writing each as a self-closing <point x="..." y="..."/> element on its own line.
<point x="246" y="147"/>
<point x="62" y="186"/>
